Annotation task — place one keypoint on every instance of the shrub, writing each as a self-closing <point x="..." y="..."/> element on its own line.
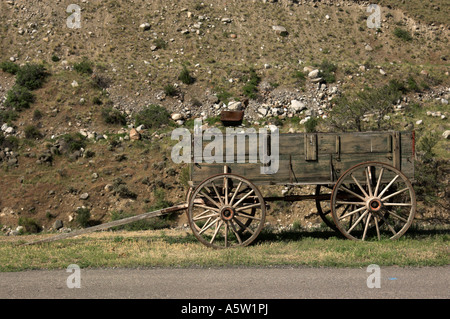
<point x="327" y="71"/>
<point x="8" y="116"/>
<point x="32" y="132"/>
<point x="349" y="111"/>
<point x="113" y="116"/>
<point x="83" y="67"/>
<point x="19" y="98"/>
<point x="124" y="192"/>
<point x="152" y="116"/>
<point x="251" y="86"/>
<point x="160" y="200"/>
<point x="37" y="115"/>
<point x="160" y="43"/>
<point x="311" y="124"/>
<point x="11" y="142"/>
<point x="55" y="58"/>
<point x="83" y="217"/>
<point x="223" y="96"/>
<point x="29" y="225"/>
<point x="402" y="34"/>
<point x="74" y="141"/>
<point x="9" y="67"/>
<point x="31" y="76"/>
<point x="185" y="76"/>
<point x="97" y="101"/>
<point x="299" y="76"/>
<point x="170" y="90"/>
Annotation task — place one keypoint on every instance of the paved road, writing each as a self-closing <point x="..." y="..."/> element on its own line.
<point x="228" y="283"/>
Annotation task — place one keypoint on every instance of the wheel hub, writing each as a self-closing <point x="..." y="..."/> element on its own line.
<point x="374" y="204"/>
<point x="227" y="213"/>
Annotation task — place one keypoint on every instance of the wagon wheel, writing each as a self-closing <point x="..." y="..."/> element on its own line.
<point x="380" y="203"/>
<point x="323" y="205"/>
<point x="226" y="210"/>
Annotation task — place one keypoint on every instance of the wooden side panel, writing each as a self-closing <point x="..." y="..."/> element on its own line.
<point x="356" y="143"/>
<point x="313" y="158"/>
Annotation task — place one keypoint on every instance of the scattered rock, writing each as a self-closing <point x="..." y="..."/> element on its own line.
<point x="58" y="224"/>
<point x="177" y="116"/>
<point x="84" y="196"/>
<point x="134" y="135"/>
<point x="313" y="74"/>
<point x="280" y="30"/>
<point x="446" y="134"/>
<point x="297" y="106"/>
<point x="235" y="105"/>
<point x="145" y="26"/>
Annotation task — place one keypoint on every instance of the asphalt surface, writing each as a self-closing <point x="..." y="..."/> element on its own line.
<point x="228" y="283"/>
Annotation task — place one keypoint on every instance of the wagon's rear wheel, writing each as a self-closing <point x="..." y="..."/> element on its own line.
<point x="323" y="205"/>
<point x="226" y="210"/>
<point x="373" y="200"/>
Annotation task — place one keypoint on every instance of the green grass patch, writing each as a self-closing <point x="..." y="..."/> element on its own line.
<point x="170" y="248"/>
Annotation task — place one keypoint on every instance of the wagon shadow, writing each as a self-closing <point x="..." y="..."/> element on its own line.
<point x="297" y="235"/>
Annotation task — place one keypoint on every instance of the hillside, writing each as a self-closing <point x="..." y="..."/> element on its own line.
<point x="127" y="55"/>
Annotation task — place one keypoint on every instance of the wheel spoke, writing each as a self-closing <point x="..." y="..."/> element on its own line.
<point x="352" y="212"/>
<point x="377" y="227"/>
<point x="367" y="226"/>
<point x="351" y="192"/>
<point x="248" y="206"/>
<point x="226" y="234"/>
<point x="207" y="226"/>
<point x="206" y="207"/>
<point x="242" y="225"/>
<point x="398" y="216"/>
<point x="233" y="228"/>
<point x="398" y="204"/>
<point x="244" y="215"/>
<point x="225" y="186"/>
<point x="379" y="182"/>
<point x="217" y="193"/>
<point x="394" y="194"/>
<point x="235" y="193"/>
<point x="244" y="197"/>
<point x="388" y="225"/>
<point x="357" y="222"/>
<point x="201" y="216"/>
<point x="389" y="185"/>
<point x="212" y="200"/>
<point x="218" y="225"/>
<point x="351" y="203"/>
<point x="368" y="181"/>
<point x="359" y="185"/>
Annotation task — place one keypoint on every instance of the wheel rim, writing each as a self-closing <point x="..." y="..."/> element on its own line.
<point x="226" y="210"/>
<point x="323" y="206"/>
<point x="373" y="201"/>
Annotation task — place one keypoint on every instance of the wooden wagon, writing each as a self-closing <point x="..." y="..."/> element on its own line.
<point x="362" y="186"/>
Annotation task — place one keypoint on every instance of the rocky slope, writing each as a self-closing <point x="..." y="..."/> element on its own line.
<point x="138" y="50"/>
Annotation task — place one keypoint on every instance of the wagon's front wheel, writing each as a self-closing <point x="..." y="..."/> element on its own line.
<point x="226" y="210"/>
<point x="373" y="200"/>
